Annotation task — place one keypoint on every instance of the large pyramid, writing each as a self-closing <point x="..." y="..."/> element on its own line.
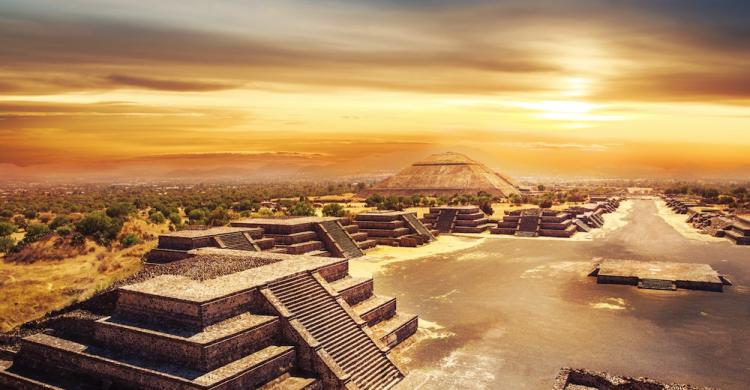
<point x="445" y="174"/>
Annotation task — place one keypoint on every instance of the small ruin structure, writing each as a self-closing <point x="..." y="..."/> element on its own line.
<point x="175" y="246"/>
<point x="659" y="275"/>
<point x="580" y="379"/>
<point x="394" y="228"/>
<point x="457" y="219"/>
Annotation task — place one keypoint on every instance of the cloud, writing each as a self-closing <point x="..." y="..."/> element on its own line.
<point x="168" y="84"/>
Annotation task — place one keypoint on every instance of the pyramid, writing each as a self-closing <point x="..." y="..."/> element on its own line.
<point x="445" y="174"/>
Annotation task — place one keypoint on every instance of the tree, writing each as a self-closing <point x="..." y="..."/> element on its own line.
<point x="6" y="244"/>
<point x="130" y="239"/>
<point x="515" y="199"/>
<point x="545" y="203"/>
<point x="99" y="226"/>
<point x="302" y="209"/>
<point x="175" y="218"/>
<point x="20" y="221"/>
<point x="7" y="228"/>
<point x="120" y="210"/>
<point x="197" y="216"/>
<point x="35" y="232"/>
<point x="157" y="218"/>
<point x="334" y="210"/>
<point x="540" y="187"/>
<point x="218" y="217"/>
<point x="58" y="221"/>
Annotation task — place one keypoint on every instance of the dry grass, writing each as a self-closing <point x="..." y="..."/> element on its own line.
<point x="30" y="291"/>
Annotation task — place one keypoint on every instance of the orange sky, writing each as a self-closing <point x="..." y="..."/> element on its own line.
<point x="553" y="88"/>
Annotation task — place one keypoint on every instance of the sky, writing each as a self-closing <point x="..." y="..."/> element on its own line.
<point x="112" y="89"/>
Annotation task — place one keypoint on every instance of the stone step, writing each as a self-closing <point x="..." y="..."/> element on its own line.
<point x="14" y="376"/>
<point x="376" y="309"/>
<point x="206" y="350"/>
<point x="380" y="225"/>
<point x="294" y="238"/>
<point x="302" y="247"/>
<point x="289" y="382"/>
<point x="367" y="244"/>
<point x="319" y="253"/>
<point x="359" y="236"/>
<point x="396" y="329"/>
<point x="353" y="290"/>
<point x="50" y="352"/>
<point x="387" y="233"/>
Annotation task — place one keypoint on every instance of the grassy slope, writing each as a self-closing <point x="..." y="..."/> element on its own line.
<point x="29" y="291"/>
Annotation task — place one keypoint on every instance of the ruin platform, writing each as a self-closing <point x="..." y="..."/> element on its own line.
<point x="659" y="275"/>
<point x="578" y="379"/>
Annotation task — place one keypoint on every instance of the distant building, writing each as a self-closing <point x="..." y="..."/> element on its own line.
<point x="446" y="174"/>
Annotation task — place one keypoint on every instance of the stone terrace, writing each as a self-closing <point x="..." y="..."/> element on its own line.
<point x="175" y="245"/>
<point x="395" y="228"/>
<point x="297" y="322"/>
<point x="457" y="219"/>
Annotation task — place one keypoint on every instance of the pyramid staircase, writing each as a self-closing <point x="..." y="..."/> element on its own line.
<point x="361" y="238"/>
<point x="417" y="226"/>
<point x="446" y="220"/>
<point x="336" y="237"/>
<point x="329" y="322"/>
<point x="236" y="241"/>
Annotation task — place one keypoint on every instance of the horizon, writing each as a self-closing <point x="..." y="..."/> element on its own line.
<point x="363" y="89"/>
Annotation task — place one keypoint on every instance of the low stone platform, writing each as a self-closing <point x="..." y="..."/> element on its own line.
<point x="659" y="275"/>
<point x="579" y="379"/>
<point x="394" y="228"/>
<point x="174" y="246"/>
<point x="457" y="219"/>
<point x="318" y="236"/>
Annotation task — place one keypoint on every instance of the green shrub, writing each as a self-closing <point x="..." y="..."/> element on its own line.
<point x="99" y="226"/>
<point x="58" y="221"/>
<point x="6" y="243"/>
<point x="302" y="209"/>
<point x="35" y="232"/>
<point x="7" y="228"/>
<point x="218" y="217"/>
<point x="20" y="221"/>
<point x="6" y="213"/>
<point x="64" y="231"/>
<point x="157" y="218"/>
<point x="175" y="218"/>
<point x="29" y="214"/>
<point x="265" y="212"/>
<point x="197" y="216"/>
<point x="120" y="210"/>
<point x="77" y="239"/>
<point x="130" y="239"/>
<point x="334" y="210"/>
